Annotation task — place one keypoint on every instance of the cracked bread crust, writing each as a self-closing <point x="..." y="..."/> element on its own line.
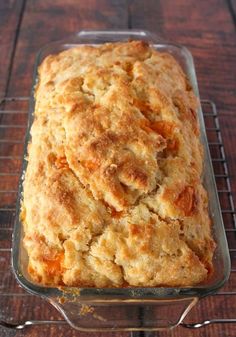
<point x="112" y="193"/>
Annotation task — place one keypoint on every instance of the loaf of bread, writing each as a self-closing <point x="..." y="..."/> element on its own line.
<point x="112" y="193"/>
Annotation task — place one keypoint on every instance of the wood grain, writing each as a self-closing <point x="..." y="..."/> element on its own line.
<point x="10" y="19"/>
<point x="232" y="9"/>
<point x="207" y="28"/>
<point x="47" y="21"/>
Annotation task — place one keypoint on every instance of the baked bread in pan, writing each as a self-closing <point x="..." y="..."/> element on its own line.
<point x="113" y="195"/>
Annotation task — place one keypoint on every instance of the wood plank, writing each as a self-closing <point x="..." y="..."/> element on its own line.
<point x="206" y="28"/>
<point x="43" y="22"/>
<point x="10" y="20"/>
<point x="146" y="15"/>
<point x="232" y="9"/>
<point x="47" y="21"/>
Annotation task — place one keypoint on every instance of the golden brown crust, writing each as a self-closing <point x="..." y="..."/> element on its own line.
<point x="112" y="192"/>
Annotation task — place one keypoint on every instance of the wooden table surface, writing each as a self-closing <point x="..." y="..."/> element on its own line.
<point x="207" y="28"/>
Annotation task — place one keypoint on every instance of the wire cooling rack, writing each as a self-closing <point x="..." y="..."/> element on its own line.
<point x="19" y="309"/>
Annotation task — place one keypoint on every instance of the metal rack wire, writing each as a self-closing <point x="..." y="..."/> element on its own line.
<point x="13" y="121"/>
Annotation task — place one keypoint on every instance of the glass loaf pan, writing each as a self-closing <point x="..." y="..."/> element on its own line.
<point x="126" y="308"/>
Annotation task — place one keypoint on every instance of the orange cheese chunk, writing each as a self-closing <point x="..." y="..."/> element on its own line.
<point x="185" y="200"/>
<point x="54" y="264"/>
